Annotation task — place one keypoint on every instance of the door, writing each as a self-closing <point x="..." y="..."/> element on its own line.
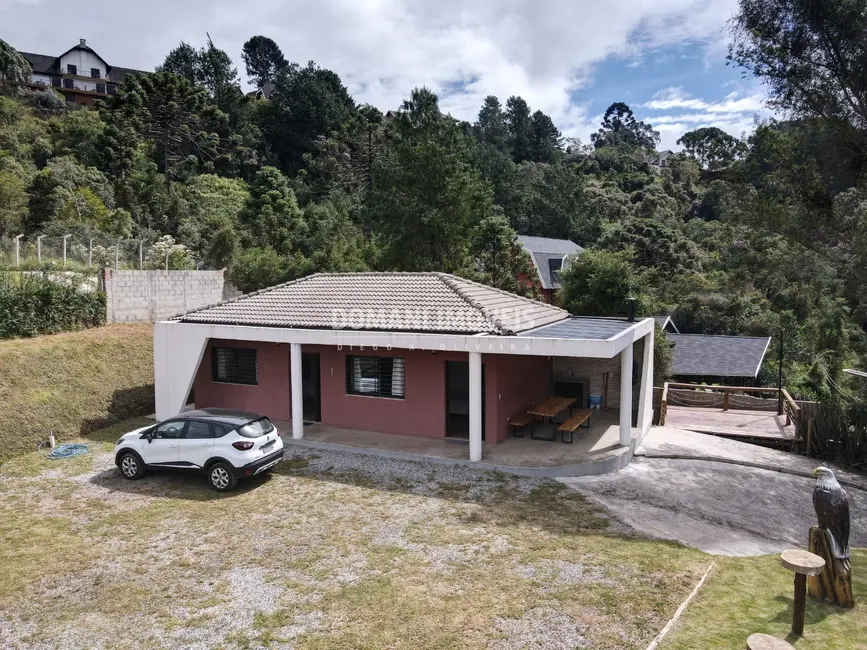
<point x="310" y="386"/>
<point x="163" y="447"/>
<point x="458" y="399"/>
<point x="197" y="445"/>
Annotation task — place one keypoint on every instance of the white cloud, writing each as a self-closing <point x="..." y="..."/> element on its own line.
<point x="543" y="51"/>
<point x="674" y="111"/>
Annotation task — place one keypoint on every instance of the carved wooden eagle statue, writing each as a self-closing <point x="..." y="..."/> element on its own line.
<point x="832" y="510"/>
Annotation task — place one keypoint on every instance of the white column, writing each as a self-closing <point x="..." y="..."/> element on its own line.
<point x="297" y="393"/>
<point x="645" y="397"/>
<point x="626" y="396"/>
<point x="476" y="406"/>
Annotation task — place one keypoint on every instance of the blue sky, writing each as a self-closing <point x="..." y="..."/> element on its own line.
<point x="569" y="58"/>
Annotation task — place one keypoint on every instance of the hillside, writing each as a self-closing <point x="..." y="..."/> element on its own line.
<point x="72" y="383"/>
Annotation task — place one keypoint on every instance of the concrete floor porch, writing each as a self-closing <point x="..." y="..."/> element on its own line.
<point x="594" y="451"/>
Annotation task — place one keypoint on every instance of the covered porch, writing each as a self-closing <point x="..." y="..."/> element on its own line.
<point x="596" y="450"/>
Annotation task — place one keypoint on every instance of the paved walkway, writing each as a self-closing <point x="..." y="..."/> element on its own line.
<point x="733" y="422"/>
<point x="716" y="504"/>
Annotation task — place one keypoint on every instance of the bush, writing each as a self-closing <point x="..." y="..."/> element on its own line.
<point x="47" y="303"/>
<point x="257" y="268"/>
<point x="840" y="435"/>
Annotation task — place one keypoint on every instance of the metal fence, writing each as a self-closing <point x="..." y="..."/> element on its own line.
<point x="74" y="252"/>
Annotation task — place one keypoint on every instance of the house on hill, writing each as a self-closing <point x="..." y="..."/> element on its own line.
<point x="550" y="257"/>
<point x="80" y="74"/>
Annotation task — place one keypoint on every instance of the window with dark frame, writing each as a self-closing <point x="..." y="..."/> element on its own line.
<point x="55" y="81"/>
<point x="71" y="69"/>
<point x="100" y="88"/>
<point x="69" y="84"/>
<point x="375" y="376"/>
<point x="94" y="73"/>
<point x="234" y="366"/>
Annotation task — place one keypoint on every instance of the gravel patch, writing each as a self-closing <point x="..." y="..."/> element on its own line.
<point x="541" y="628"/>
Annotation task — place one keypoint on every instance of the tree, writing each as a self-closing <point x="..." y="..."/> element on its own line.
<point x="620" y="129"/>
<point x="264" y="60"/>
<point x="257" y="268"/>
<point x="307" y="104"/>
<point x="545" y="139"/>
<point x="811" y="55"/>
<point x="208" y="66"/>
<point x="58" y="184"/>
<point x="271" y="216"/>
<point x="597" y="283"/>
<point x="184" y="61"/>
<point x="656" y="247"/>
<point x="491" y="125"/>
<point x="14" y="68"/>
<point x="426" y="198"/>
<point x="712" y="147"/>
<point x="500" y="260"/>
<point x="172" y="114"/>
<point x="520" y="129"/>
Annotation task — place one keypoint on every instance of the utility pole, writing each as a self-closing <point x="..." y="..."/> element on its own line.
<point x="140" y="258"/>
<point x="90" y="253"/>
<point x="65" y="237"/>
<point x="18" y="250"/>
<point x="117" y="254"/>
<point x="780" y="375"/>
<point x="39" y="249"/>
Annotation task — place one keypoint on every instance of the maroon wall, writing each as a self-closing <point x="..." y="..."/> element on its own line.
<point x="271" y="397"/>
<point x="511" y="384"/>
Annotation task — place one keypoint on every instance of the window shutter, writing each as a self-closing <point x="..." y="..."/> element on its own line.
<point x="234" y="365"/>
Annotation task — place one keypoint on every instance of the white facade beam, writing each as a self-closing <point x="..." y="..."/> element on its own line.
<point x="476" y="406"/>
<point x="645" y="396"/>
<point x="296" y="390"/>
<point x="177" y="355"/>
<point x="626" y="396"/>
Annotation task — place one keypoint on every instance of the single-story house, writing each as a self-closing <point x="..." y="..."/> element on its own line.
<point x="414" y="354"/>
<point x="550" y="257"/>
<point x="733" y="360"/>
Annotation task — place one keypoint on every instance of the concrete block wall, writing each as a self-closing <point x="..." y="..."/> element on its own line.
<point x="148" y="296"/>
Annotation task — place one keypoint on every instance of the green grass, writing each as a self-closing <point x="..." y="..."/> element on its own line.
<point x="746" y="595"/>
<point x="72" y="384"/>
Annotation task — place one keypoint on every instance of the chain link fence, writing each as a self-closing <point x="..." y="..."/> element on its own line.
<point x="77" y="252"/>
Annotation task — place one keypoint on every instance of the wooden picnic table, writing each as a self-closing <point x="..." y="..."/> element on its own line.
<point x="551" y="408"/>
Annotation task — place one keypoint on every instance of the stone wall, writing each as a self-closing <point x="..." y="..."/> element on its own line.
<point x="148" y="296"/>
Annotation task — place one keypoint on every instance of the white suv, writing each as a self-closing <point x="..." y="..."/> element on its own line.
<point x="224" y="444"/>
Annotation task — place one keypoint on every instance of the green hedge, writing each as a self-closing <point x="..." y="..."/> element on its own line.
<point x="43" y="303"/>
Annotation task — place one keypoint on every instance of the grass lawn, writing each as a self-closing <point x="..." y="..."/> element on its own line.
<point x="345" y="551"/>
<point x="72" y="383"/>
<point x="746" y="595"/>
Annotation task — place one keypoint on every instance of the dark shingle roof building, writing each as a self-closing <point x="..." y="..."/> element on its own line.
<point x="704" y="355"/>
<point x="548" y="257"/>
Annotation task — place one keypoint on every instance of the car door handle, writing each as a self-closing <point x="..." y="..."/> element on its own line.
<point x="172" y="446"/>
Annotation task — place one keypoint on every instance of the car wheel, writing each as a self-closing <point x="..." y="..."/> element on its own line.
<point x="222" y="477"/>
<point x="131" y="466"/>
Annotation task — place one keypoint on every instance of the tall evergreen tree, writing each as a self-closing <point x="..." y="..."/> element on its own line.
<point x="520" y="129"/>
<point x="263" y="59"/>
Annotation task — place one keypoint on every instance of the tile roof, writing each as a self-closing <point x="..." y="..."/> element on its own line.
<point x="717" y="356"/>
<point x="407" y="302"/>
<point x="545" y="249"/>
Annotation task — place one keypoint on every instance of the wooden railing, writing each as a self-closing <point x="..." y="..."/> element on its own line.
<point x="785" y="404"/>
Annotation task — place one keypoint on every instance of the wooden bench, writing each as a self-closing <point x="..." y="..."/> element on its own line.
<point x="518" y="423"/>
<point x="578" y="419"/>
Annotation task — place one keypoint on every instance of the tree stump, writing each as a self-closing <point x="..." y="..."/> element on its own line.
<point x="834" y="583"/>
<point x="767" y="642"/>
<point x="804" y="564"/>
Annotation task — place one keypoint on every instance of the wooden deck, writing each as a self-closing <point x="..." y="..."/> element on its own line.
<point x="735" y="423"/>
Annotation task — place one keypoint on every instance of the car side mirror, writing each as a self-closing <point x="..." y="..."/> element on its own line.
<point x="150" y="437"/>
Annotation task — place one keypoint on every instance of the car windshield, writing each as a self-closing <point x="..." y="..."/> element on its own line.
<point x="257" y="428"/>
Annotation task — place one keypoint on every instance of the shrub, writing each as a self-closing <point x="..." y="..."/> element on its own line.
<point x="47" y="303"/>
